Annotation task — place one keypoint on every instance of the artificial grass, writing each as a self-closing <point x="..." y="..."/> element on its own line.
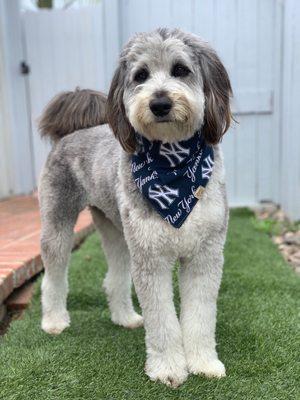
<point x="258" y="335"/>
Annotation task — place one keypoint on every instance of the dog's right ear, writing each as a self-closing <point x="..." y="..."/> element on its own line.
<point x="116" y="114"/>
<point x="216" y="87"/>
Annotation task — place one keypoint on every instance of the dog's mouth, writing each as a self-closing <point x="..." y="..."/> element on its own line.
<point x="161" y="120"/>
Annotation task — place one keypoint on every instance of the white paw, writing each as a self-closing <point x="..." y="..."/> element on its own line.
<point x="171" y="372"/>
<point x="131" y="321"/>
<point x="55" y="323"/>
<point x="213" y="368"/>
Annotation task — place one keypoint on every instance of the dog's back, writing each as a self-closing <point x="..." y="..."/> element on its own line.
<point x="81" y="168"/>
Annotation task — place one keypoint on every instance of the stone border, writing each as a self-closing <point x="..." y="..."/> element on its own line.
<point x="284" y="232"/>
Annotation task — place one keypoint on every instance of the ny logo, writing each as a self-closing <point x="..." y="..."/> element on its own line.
<point x="173" y="151"/>
<point x="163" y="195"/>
<point x="207" y="167"/>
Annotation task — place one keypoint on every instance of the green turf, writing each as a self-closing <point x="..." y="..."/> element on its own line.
<point x="258" y="335"/>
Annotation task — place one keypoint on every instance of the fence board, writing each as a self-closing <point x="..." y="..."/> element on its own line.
<point x="82" y="47"/>
<point x="224" y="14"/>
<point x="182" y="14"/>
<point x="16" y="175"/>
<point x="290" y="144"/>
<point x="66" y="49"/>
<point x="267" y="134"/>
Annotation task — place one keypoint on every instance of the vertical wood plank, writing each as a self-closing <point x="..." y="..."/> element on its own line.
<point x="65" y="49"/>
<point x="134" y="18"/>
<point x="265" y="135"/>
<point x="18" y="167"/>
<point x="246" y="63"/>
<point x="82" y="50"/>
<point x="203" y="19"/>
<point x="290" y="142"/>
<point x="225" y="21"/>
<point x="6" y="176"/>
<point x="277" y="84"/>
<point x="182" y="15"/>
<point x="159" y="14"/>
<point x="112" y="38"/>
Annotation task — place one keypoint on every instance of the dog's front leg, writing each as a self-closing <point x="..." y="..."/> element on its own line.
<point x="200" y="279"/>
<point x="165" y="355"/>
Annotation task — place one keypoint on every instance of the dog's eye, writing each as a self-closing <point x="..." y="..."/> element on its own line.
<point x="180" y="71"/>
<point x="141" y="75"/>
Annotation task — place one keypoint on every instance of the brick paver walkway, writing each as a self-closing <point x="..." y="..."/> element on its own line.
<point x="20" y="227"/>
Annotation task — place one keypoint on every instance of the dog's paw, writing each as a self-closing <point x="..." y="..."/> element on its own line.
<point x="130" y="321"/>
<point x="171" y="372"/>
<point x="212" y="368"/>
<point x="54" y="323"/>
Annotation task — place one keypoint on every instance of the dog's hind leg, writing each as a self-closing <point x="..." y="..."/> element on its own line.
<point x="60" y="204"/>
<point x="56" y="248"/>
<point x="117" y="283"/>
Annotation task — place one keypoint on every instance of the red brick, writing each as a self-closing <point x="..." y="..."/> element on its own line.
<point x="14" y="258"/>
<point x="22" y="246"/>
<point x="10" y="265"/>
<point x="20" y="241"/>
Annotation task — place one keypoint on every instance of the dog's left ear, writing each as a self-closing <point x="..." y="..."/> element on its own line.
<point x="217" y="92"/>
<point x="115" y="112"/>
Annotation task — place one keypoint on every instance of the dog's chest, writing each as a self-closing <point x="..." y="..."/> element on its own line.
<point x="149" y="232"/>
<point x="146" y="228"/>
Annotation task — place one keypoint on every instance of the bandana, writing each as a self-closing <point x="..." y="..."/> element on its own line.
<point x="172" y="176"/>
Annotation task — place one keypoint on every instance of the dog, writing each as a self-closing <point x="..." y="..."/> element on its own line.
<point x="168" y="85"/>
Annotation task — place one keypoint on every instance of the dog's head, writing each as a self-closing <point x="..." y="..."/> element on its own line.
<point x="168" y="84"/>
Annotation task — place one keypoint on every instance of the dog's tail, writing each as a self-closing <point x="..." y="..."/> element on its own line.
<point x="71" y="111"/>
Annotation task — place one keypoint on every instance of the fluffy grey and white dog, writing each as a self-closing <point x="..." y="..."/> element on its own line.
<point x="92" y="167"/>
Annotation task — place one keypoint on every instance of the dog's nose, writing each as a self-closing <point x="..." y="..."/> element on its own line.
<point x="160" y="106"/>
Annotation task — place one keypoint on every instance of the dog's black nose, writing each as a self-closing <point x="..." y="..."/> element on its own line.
<point x="160" y="106"/>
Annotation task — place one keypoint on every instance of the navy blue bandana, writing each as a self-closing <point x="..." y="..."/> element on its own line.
<point x="172" y="176"/>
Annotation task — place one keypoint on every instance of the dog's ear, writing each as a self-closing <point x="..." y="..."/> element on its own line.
<point x="116" y="114"/>
<point x="217" y="91"/>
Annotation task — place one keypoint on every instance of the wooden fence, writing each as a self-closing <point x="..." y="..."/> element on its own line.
<point x="257" y="41"/>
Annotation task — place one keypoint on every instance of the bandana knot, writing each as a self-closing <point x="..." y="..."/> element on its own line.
<point x="172" y="176"/>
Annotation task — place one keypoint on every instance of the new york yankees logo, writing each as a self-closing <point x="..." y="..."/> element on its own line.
<point x="164" y="195"/>
<point x="207" y="167"/>
<point x="173" y="151"/>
